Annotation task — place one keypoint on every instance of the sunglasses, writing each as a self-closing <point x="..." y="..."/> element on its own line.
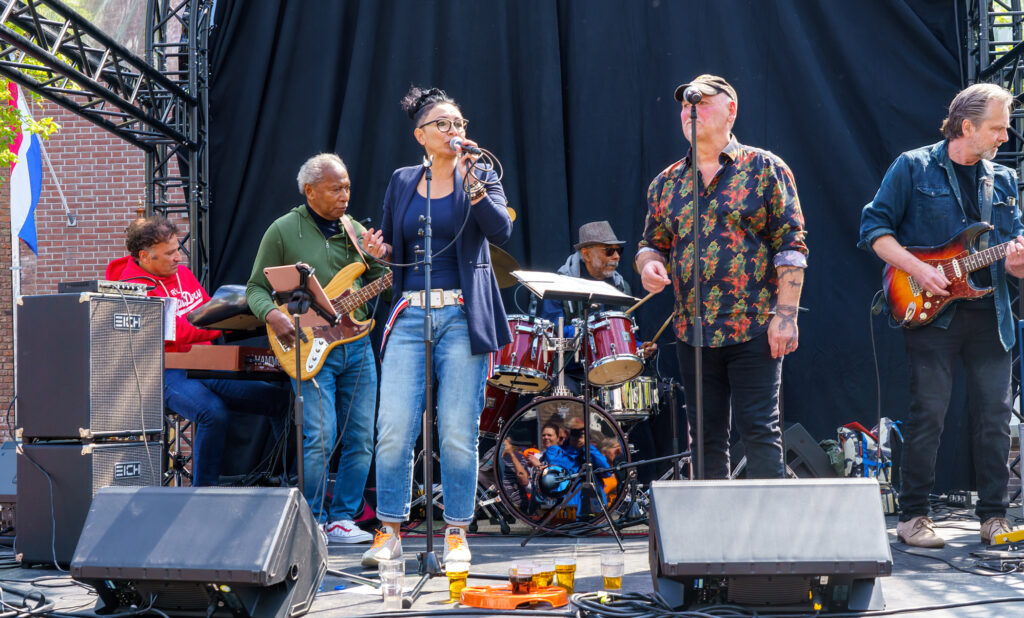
<point x="610" y="251"/>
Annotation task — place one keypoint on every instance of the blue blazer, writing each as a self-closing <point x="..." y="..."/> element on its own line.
<point x="489" y="221"/>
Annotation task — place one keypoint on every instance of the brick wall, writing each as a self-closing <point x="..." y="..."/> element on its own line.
<point x="103" y="180"/>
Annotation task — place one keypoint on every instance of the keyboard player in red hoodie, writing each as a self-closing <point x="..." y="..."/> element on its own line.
<point x="155" y="259"/>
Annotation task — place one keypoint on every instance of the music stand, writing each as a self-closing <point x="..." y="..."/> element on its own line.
<point x="550" y="286"/>
<point x="296" y="286"/>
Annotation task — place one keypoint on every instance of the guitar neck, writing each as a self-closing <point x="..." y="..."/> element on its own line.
<point x="357" y="298"/>
<point x="981" y="259"/>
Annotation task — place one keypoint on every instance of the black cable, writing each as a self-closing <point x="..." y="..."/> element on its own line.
<point x="10" y="406"/>
<point x="950" y="563"/>
<point x="490" y="162"/>
<point x="53" y="516"/>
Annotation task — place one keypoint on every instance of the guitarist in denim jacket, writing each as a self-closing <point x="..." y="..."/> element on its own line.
<point x="928" y="197"/>
<point x="340" y="399"/>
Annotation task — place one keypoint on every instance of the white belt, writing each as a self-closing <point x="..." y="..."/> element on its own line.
<point x="438" y="298"/>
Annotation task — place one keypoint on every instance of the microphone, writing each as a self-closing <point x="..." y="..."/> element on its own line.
<point x="457" y="144"/>
<point x="692" y="95"/>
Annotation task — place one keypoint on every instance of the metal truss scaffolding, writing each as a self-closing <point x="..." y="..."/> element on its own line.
<point x="158" y="103"/>
<point x="995" y="54"/>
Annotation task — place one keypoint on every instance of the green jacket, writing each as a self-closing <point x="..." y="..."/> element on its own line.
<point x="294" y="237"/>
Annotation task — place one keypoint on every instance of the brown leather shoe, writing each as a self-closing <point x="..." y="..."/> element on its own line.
<point x="993" y="526"/>
<point x="919" y="532"/>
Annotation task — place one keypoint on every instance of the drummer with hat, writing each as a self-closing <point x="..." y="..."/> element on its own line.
<point x="596" y="257"/>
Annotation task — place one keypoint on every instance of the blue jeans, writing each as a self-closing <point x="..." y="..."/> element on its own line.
<point x="974" y="337"/>
<point x="208" y="404"/>
<point x="460" y="377"/>
<point x="742" y="380"/>
<point x="338" y="406"/>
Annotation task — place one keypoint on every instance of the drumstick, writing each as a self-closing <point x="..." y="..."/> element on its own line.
<point x="642" y="301"/>
<point x="663" y="326"/>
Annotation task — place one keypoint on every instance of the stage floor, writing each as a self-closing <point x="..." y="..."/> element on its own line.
<point x="917" y="582"/>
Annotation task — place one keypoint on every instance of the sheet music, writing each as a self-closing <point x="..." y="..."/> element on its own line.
<point x="552" y="286"/>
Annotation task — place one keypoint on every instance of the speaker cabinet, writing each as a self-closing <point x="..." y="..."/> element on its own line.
<point x="804" y="457"/>
<point x="89" y="366"/>
<point x="769" y="542"/>
<point x="77" y="472"/>
<point x="202" y="551"/>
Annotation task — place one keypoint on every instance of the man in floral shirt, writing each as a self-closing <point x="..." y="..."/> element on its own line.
<point x="753" y="258"/>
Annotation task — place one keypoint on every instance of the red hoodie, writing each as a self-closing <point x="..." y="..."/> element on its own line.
<point x="182" y="286"/>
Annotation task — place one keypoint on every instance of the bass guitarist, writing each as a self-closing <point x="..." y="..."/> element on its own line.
<point x="340" y="400"/>
<point x="929" y="196"/>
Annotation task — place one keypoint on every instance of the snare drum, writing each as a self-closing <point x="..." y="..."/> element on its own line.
<point x="636" y="400"/>
<point x="524" y="365"/>
<point x="612" y="349"/>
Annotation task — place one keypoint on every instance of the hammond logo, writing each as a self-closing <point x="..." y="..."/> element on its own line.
<point x="127" y="470"/>
<point x="127" y="321"/>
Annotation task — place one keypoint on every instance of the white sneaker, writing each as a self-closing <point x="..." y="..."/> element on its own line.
<point x="456" y="549"/>
<point x="346" y="531"/>
<point x="386" y="546"/>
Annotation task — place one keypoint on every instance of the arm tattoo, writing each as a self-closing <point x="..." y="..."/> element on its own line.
<point x="792" y="277"/>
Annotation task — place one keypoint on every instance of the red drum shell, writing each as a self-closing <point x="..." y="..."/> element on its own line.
<point x="524" y="365"/>
<point x="612" y="349"/>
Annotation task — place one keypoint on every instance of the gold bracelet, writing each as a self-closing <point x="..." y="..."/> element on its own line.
<point x="477" y="194"/>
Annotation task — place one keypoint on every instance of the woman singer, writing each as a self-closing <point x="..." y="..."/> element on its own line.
<point x="467" y="209"/>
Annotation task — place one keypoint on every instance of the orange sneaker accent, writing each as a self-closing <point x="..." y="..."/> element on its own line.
<point x="380" y="537"/>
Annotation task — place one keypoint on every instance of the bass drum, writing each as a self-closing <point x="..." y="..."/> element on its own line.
<point x="534" y="471"/>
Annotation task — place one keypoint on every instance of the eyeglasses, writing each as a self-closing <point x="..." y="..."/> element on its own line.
<point x="610" y="251"/>
<point x="443" y="124"/>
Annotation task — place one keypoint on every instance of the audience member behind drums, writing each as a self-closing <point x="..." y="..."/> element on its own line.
<point x="469" y="320"/>
<point x="155" y="258"/>
<point x="570" y="457"/>
<point x="596" y="257"/>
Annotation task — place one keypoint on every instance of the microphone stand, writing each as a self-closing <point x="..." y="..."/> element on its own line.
<point x="584" y="477"/>
<point x="698" y="320"/>
<point x="429" y="567"/>
<point x="300" y="301"/>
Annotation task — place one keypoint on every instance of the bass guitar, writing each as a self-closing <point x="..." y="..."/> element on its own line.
<point x="911" y="305"/>
<point x="318" y="341"/>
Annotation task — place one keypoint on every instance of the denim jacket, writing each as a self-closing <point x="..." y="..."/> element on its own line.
<point x="919" y="204"/>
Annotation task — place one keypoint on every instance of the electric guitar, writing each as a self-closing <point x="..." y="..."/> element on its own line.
<point x="912" y="306"/>
<point x="317" y="341"/>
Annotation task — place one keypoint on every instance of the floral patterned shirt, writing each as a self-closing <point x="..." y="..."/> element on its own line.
<point x="750" y="221"/>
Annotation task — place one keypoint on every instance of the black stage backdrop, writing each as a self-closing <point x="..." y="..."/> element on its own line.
<point x="575" y="98"/>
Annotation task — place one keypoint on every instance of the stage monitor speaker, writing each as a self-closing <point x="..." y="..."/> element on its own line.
<point x="804" y="456"/>
<point x="89" y="366"/>
<point x="202" y="551"/>
<point x="769" y="542"/>
<point x="50" y="516"/>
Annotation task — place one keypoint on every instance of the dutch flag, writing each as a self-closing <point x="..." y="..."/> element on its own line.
<point x="26" y="175"/>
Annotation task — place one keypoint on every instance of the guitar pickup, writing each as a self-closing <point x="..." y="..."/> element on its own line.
<point x="915" y="287"/>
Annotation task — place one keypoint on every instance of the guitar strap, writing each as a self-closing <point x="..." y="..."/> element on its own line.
<point x="347" y="222"/>
<point x="986" y="208"/>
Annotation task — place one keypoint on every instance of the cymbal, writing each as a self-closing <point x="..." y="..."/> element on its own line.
<point x="503" y="265"/>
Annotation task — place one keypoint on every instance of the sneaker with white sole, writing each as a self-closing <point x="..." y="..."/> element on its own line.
<point x="456" y="549"/>
<point x="386" y="546"/>
<point x="346" y="531"/>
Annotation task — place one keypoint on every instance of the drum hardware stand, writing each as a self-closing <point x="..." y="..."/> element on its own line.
<point x="585" y="476"/>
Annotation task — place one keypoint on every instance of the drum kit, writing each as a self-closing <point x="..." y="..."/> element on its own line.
<point x="529" y="440"/>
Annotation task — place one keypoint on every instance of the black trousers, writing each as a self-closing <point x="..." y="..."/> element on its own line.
<point x="973" y="337"/>
<point x="742" y="380"/>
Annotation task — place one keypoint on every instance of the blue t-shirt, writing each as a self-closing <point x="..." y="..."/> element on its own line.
<point x="444" y="273"/>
